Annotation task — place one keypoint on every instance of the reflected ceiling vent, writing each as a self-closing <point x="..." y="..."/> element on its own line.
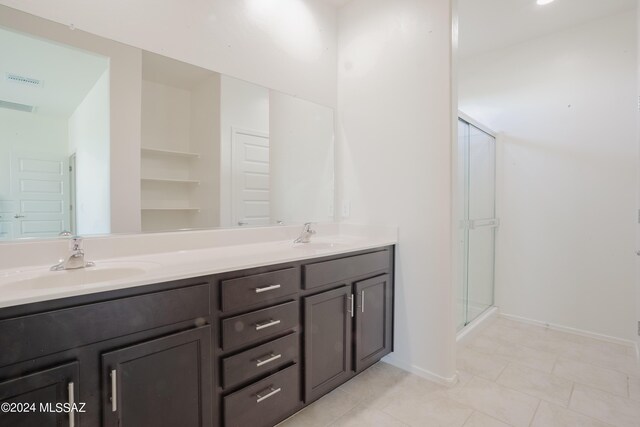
<point x="18" y="107"/>
<point x="27" y="81"/>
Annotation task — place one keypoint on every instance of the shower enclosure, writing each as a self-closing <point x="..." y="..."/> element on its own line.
<point x="477" y="219"/>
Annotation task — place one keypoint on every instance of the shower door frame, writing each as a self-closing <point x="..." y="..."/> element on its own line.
<point x="466" y="220"/>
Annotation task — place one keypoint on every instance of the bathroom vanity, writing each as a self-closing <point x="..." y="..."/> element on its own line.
<point x="244" y="347"/>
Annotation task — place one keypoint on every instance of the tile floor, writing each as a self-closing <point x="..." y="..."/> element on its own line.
<point x="512" y="374"/>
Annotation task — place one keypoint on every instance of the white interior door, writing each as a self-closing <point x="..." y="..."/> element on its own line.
<point x="40" y="187"/>
<point x="250" y="177"/>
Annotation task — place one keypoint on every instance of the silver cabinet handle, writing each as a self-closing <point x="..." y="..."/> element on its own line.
<point x="72" y="419"/>
<point x="16" y="216"/>
<point x="270" y="323"/>
<point x="270" y="392"/>
<point x="268" y="288"/>
<point x="242" y="223"/>
<point x="362" y="300"/>
<point x="114" y="391"/>
<point x="350" y="298"/>
<point x="261" y="361"/>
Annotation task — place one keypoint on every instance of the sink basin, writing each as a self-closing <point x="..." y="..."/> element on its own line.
<point x="101" y="272"/>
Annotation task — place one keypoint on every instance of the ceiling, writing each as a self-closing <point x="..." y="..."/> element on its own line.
<point x="486" y="25"/>
<point x="67" y="74"/>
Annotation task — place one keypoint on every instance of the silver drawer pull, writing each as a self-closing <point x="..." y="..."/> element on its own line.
<point x="270" y="323"/>
<point x="72" y="398"/>
<point x="271" y="358"/>
<point x="114" y="391"/>
<point x="270" y="393"/>
<point x="268" y="288"/>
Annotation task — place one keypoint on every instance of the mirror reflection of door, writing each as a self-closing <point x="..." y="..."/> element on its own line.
<point x="250" y="177"/>
<point x="40" y="188"/>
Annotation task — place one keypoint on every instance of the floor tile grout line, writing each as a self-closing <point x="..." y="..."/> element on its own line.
<point x="473" y="411"/>
<point x="535" y="413"/>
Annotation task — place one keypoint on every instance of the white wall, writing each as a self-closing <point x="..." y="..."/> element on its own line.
<point x="293" y="52"/>
<point x="394" y="142"/>
<point x="567" y="182"/>
<point x="89" y="140"/>
<point x="302" y="160"/>
<point x="242" y="105"/>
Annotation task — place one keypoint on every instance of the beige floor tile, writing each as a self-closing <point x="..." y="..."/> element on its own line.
<point x="532" y="358"/>
<point x="365" y="416"/>
<point x="634" y="388"/>
<point x="537" y="383"/>
<point x="478" y="419"/>
<point x="480" y="364"/>
<point x="442" y="412"/>
<point x="550" y="415"/>
<point x="482" y="344"/>
<point x="602" y="378"/>
<point x="324" y="411"/>
<point x="507" y="405"/>
<point x="407" y="386"/>
<point x="605" y="406"/>
<point x="372" y="382"/>
<point x="603" y="356"/>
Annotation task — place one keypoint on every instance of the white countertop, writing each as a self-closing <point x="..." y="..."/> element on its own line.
<point x="34" y="283"/>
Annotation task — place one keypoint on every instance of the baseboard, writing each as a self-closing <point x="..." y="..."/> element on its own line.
<point x="474" y="328"/>
<point x="588" y="334"/>
<point x="423" y="373"/>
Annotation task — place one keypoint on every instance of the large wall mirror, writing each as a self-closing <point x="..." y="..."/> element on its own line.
<point x="97" y="137"/>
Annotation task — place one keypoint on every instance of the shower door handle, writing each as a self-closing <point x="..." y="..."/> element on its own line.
<point x="484" y="223"/>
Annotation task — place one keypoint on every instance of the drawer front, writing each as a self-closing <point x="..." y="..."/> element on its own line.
<point x="259" y="288"/>
<point x="338" y="270"/>
<point x="264" y="403"/>
<point x="40" y="334"/>
<point x="260" y="324"/>
<point x="264" y="358"/>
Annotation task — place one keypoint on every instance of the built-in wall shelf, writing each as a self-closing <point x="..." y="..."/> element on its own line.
<point x="170" y="153"/>
<point x="173" y="181"/>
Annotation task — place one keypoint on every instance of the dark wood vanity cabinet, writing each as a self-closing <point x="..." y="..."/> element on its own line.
<point x="242" y="348"/>
<point x="349" y="327"/>
<point x="28" y="394"/>
<point x="164" y="382"/>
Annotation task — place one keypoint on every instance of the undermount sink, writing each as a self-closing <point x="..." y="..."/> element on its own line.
<point x="101" y="272"/>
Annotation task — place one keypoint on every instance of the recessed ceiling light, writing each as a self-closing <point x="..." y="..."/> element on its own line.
<point x="543" y="2"/>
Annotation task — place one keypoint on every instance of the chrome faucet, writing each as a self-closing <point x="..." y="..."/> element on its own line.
<point x="75" y="258"/>
<point x="305" y="235"/>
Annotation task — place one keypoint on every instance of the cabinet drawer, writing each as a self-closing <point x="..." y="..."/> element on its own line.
<point x="264" y="358"/>
<point x="64" y="329"/>
<point x="259" y="288"/>
<point x="264" y="403"/>
<point x="256" y="325"/>
<point x="338" y="270"/>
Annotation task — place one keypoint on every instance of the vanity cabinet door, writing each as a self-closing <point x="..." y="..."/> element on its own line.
<point x="373" y="318"/>
<point x="33" y="399"/>
<point x="327" y="331"/>
<point x="165" y="382"/>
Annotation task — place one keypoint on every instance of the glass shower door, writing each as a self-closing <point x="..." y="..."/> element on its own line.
<point x="477" y="149"/>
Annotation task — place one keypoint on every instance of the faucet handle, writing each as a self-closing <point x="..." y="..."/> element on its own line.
<point x="75" y="244"/>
